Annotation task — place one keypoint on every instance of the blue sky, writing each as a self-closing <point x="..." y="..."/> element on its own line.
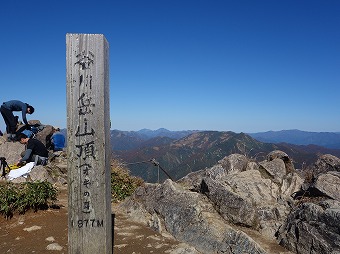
<point x="242" y="66"/>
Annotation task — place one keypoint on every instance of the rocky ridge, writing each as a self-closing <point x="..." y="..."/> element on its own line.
<point x="241" y="206"/>
<point x="236" y="206"/>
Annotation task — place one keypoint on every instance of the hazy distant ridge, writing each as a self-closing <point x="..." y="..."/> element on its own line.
<point x="127" y="140"/>
<point x="297" y="137"/>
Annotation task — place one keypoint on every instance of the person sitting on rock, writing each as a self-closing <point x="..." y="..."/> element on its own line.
<point x="57" y="140"/>
<point x="35" y="151"/>
<point x="11" y="121"/>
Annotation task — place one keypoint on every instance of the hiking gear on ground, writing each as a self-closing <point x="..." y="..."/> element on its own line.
<point x="11" y="137"/>
<point x="4" y="166"/>
<point x="39" y="160"/>
<point x="28" y="133"/>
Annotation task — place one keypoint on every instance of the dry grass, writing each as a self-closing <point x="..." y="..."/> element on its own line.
<point x="122" y="183"/>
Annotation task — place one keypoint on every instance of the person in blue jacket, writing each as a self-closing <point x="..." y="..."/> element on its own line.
<point x="57" y="140"/>
<point x="7" y="109"/>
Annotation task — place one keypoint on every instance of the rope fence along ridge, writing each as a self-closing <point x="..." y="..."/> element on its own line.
<point x="153" y="162"/>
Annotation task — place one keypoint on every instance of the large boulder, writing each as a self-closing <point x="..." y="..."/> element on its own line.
<point x="325" y="163"/>
<point x="40" y="173"/>
<point x="291" y="183"/>
<point x="189" y="217"/>
<point x="11" y="151"/>
<point x="229" y="200"/>
<point x="249" y="198"/>
<point x="44" y="134"/>
<point x="312" y="228"/>
<point x="276" y="169"/>
<point x="277" y="154"/>
<point x="234" y="163"/>
<point x="277" y="166"/>
<point x="230" y="164"/>
<point x="329" y="184"/>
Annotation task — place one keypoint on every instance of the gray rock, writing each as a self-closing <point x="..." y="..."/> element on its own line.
<point x="291" y="183"/>
<point x="252" y="165"/>
<point x="329" y="184"/>
<point x="20" y="179"/>
<point x="11" y="151"/>
<point x="202" y="222"/>
<point x="40" y="173"/>
<point x="233" y="206"/>
<point x="277" y="154"/>
<point x="33" y="122"/>
<point x="192" y="181"/>
<point x="275" y="168"/>
<point x="190" y="218"/>
<point x="54" y="246"/>
<point x="234" y="163"/>
<point x="215" y="172"/>
<point x="236" y="191"/>
<point x="312" y="228"/>
<point x="325" y="163"/>
<point x="249" y="199"/>
<point x="42" y="135"/>
<point x="183" y="249"/>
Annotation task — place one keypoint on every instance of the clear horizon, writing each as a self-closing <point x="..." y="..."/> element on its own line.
<point x="337" y="132"/>
<point x="242" y="66"/>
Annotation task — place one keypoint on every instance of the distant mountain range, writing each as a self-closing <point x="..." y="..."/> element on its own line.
<point x="297" y="137"/>
<point x="127" y="140"/>
<point x="180" y="153"/>
<point x="134" y="139"/>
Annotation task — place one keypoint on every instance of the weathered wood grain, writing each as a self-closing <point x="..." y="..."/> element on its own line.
<point x="88" y="139"/>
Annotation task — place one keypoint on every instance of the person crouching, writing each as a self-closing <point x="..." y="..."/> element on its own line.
<point x="35" y="151"/>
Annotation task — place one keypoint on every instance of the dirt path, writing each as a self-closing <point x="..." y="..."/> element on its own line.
<point x="46" y="232"/>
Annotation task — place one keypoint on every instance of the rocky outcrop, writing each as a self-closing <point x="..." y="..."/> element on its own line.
<point x="275" y="169"/>
<point x="239" y="206"/>
<point x="277" y="165"/>
<point x="257" y="198"/>
<point x="312" y="228"/>
<point x="250" y="200"/>
<point x="313" y="225"/>
<point x="277" y="154"/>
<point x="11" y="150"/>
<point x="329" y="184"/>
<point x="326" y="162"/>
<point x="234" y="163"/>
<point x="189" y="217"/>
<point x="208" y="209"/>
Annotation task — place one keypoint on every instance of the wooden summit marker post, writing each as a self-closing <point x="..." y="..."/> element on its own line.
<point x="88" y="144"/>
